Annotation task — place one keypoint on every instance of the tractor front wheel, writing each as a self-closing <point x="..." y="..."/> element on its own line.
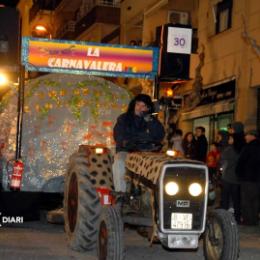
<point x="110" y="235"/>
<point x="221" y="236"/>
<point x="81" y="206"/>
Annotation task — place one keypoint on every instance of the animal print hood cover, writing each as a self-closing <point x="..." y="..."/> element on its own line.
<point x="149" y="164"/>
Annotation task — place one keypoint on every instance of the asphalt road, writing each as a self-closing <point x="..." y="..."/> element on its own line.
<point x="37" y="240"/>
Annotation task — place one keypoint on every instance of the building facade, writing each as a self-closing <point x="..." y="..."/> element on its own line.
<point x="230" y="32"/>
<point x="89" y="20"/>
<point x="223" y="66"/>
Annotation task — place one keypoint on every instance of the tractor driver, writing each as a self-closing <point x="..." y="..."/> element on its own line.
<point x="135" y="130"/>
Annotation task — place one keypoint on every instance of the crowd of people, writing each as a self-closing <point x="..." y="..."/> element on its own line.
<point x="233" y="161"/>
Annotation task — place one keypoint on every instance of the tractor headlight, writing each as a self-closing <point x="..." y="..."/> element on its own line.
<point x="171" y="188"/>
<point x="195" y="189"/>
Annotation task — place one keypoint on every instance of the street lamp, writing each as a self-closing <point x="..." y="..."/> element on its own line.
<point x="40" y="28"/>
<point x="41" y="31"/>
<point x="3" y="79"/>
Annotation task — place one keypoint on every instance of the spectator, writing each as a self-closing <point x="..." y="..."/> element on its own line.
<point x="177" y="142"/>
<point x="236" y="127"/>
<point x="212" y="160"/>
<point x="170" y="133"/>
<point x="230" y="183"/>
<point x="248" y="172"/>
<point x="201" y="143"/>
<point x="222" y="140"/>
<point x="189" y="147"/>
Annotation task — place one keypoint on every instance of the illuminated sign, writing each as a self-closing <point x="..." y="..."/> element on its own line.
<point x="179" y="40"/>
<point x="89" y="58"/>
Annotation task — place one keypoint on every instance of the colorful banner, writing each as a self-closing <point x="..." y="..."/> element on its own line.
<point x="78" y="57"/>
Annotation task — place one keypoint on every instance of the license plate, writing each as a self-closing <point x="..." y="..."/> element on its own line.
<point x="181" y="221"/>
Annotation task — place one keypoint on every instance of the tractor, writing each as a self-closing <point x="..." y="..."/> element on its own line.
<point x="166" y="197"/>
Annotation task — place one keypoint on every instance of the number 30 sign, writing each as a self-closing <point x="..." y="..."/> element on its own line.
<point x="179" y="40"/>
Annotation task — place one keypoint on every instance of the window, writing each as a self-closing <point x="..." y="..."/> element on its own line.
<point x="179" y="17"/>
<point x="224" y="15"/>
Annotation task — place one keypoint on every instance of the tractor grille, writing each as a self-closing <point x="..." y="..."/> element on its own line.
<point x="183" y="202"/>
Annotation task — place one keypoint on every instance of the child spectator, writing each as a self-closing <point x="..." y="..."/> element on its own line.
<point x="212" y="160"/>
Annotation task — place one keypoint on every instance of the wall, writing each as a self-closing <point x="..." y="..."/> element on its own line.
<point x="228" y="54"/>
<point x="24" y="8"/>
<point x="132" y="14"/>
<point x="150" y="14"/>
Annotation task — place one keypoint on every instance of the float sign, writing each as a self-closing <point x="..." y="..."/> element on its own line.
<point x="79" y="57"/>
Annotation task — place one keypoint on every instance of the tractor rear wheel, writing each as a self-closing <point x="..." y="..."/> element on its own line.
<point x="81" y="205"/>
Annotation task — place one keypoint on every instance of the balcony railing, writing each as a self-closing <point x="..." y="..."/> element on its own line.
<point x="114" y="3"/>
<point x="98" y="14"/>
<point x="38" y="5"/>
<point x="67" y="31"/>
<point x="88" y="5"/>
<point x="88" y="13"/>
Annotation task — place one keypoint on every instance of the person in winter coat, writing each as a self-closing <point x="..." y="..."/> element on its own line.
<point x="189" y="146"/>
<point x="135" y="130"/>
<point x="230" y="183"/>
<point x="237" y="130"/>
<point x="201" y="144"/>
<point x="248" y="172"/>
<point x="222" y="140"/>
<point x="236" y="127"/>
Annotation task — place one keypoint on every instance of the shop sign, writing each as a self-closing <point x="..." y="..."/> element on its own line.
<point x="79" y="57"/>
<point x="218" y="93"/>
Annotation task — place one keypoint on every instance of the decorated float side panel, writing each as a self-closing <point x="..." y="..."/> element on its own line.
<point x="62" y="111"/>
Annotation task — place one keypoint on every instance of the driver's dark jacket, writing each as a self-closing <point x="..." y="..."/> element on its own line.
<point x="130" y="129"/>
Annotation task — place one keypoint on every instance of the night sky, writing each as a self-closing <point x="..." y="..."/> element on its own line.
<point x="9" y="31"/>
